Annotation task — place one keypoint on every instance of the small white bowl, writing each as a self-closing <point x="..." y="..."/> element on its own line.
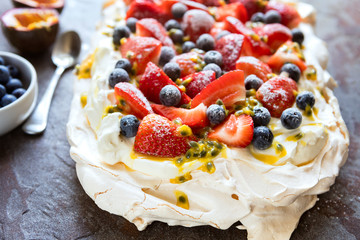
<point x="15" y="113"/>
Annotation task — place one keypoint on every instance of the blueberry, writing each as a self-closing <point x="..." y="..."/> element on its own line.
<point x="261" y="116"/>
<point x="167" y="53"/>
<point x="172" y="24"/>
<point x="4" y="75"/>
<point x="118" y="75"/>
<point x="215" y="68"/>
<point x="216" y="114"/>
<point x="178" y="10"/>
<point x="188" y="46"/>
<point x="258" y="17"/>
<point x="205" y="42"/>
<point x="213" y="57"/>
<point x="297" y="36"/>
<point x="7" y="99"/>
<point x="291" y="118"/>
<point x="2" y="91"/>
<point x="125" y="64"/>
<point x="305" y="99"/>
<point x="129" y="126"/>
<point x="2" y="61"/>
<point x="119" y="33"/>
<point x="131" y="24"/>
<point x="13" y="84"/>
<point x="14" y="71"/>
<point x="170" y="95"/>
<point x="177" y="35"/>
<point x="253" y="82"/>
<point x="263" y="138"/>
<point x="172" y="70"/>
<point x="18" y="92"/>
<point x="293" y="71"/>
<point x="272" y="16"/>
<point x="222" y="34"/>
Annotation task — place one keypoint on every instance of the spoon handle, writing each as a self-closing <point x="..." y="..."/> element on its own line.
<point x="37" y="122"/>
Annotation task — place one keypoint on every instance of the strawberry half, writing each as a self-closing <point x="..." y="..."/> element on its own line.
<point x="158" y="136"/>
<point x="140" y="51"/>
<point x="131" y="100"/>
<point x="198" y="82"/>
<point x="252" y="6"/>
<point x="150" y="27"/>
<point x="251" y="65"/>
<point x="236" y="10"/>
<point x="230" y="46"/>
<point x="147" y="9"/>
<point x="229" y="88"/>
<point x="188" y="62"/>
<point x="235" y="131"/>
<point x="276" y="34"/>
<point x="277" y="94"/>
<point x="194" y="118"/>
<point x="167" y="4"/>
<point x="153" y="80"/>
<point x="289" y="15"/>
<point x="197" y="22"/>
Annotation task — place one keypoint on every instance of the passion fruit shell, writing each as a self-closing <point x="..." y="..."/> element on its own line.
<point x="49" y="4"/>
<point x="30" y="30"/>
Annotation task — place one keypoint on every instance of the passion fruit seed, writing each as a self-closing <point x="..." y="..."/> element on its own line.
<point x="214" y="152"/>
<point x="185" y="131"/>
<point x="179" y="162"/>
<point x="210" y="167"/>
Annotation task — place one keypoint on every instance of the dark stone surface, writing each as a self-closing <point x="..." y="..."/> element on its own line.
<point x="41" y="197"/>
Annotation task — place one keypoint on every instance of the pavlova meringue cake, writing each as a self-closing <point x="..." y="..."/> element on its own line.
<point x="159" y="133"/>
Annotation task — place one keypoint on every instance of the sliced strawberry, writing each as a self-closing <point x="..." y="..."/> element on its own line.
<point x="167" y="4"/>
<point x="150" y="27"/>
<point x="194" y="118"/>
<point x="287" y="53"/>
<point x="236" y="10"/>
<point x="289" y="15"/>
<point x="229" y="88"/>
<point x="188" y="62"/>
<point x="252" y="6"/>
<point x="275" y="33"/>
<point x="251" y="65"/>
<point x="277" y="94"/>
<point x="132" y="100"/>
<point x="199" y="81"/>
<point x="196" y="23"/>
<point x="153" y="80"/>
<point x="147" y="9"/>
<point x="230" y="46"/>
<point x="235" y="131"/>
<point x="210" y="3"/>
<point x="234" y="25"/>
<point x="158" y="136"/>
<point x="140" y="51"/>
<point x="216" y="29"/>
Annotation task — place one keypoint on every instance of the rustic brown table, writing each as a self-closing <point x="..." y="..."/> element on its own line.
<point x="41" y="198"/>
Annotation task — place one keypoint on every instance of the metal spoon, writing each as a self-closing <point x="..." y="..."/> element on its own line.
<point x="65" y="54"/>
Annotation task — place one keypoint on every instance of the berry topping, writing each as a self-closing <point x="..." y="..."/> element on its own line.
<point x="178" y="10"/>
<point x="14" y="71"/>
<point x="131" y="100"/>
<point x="196" y="23"/>
<point x="253" y="82"/>
<point x="229" y="88"/>
<point x="261" y="116"/>
<point x="125" y="64"/>
<point x="258" y="17"/>
<point x="292" y="70"/>
<point x="13" y="84"/>
<point x="173" y="70"/>
<point x="275" y="33"/>
<point x="277" y="94"/>
<point x="147" y="9"/>
<point x="235" y="131"/>
<point x="158" y="136"/>
<point x="149" y="27"/>
<point x="189" y="62"/>
<point x="2" y="91"/>
<point x="177" y="35"/>
<point x="263" y="138"/>
<point x="4" y="75"/>
<point x="18" y="92"/>
<point x="187" y="46"/>
<point x="236" y="10"/>
<point x="166" y="54"/>
<point x="289" y="15"/>
<point x="230" y="47"/>
<point x="291" y="118"/>
<point x="213" y="57"/>
<point x="170" y="96"/>
<point x="172" y="24"/>
<point x="252" y="6"/>
<point x="129" y="126"/>
<point x="118" y="75"/>
<point x="7" y="99"/>
<point x="297" y="36"/>
<point x="216" y="114"/>
<point x="252" y="65"/>
<point x="194" y="118"/>
<point x="205" y="42"/>
<point x="215" y="68"/>
<point x="272" y="16"/>
<point x="222" y="34"/>
<point x="131" y="24"/>
<point x="119" y="33"/>
<point x="198" y="81"/>
<point x="305" y="99"/>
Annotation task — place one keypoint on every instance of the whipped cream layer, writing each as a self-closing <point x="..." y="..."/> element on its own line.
<point x="267" y="191"/>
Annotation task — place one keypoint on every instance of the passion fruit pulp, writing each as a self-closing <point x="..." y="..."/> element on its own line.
<point x="51" y="4"/>
<point x="30" y="30"/>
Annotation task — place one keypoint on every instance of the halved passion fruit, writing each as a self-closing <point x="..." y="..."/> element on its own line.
<point x="54" y="4"/>
<point x="30" y="30"/>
